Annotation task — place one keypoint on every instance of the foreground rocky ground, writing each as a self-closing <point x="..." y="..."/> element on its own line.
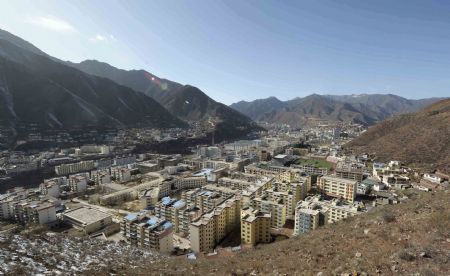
<point x="54" y="254"/>
<point x="412" y="238"/>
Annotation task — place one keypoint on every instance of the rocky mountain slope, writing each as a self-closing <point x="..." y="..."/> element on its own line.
<point x="364" y="109"/>
<point x="35" y="88"/>
<point x="419" y="139"/>
<point x="55" y="254"/>
<point x="184" y="101"/>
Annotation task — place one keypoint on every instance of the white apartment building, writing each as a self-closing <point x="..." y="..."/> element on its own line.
<point x="65" y="169"/>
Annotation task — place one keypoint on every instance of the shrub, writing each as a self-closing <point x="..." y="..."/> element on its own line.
<point x="406" y="256"/>
<point x="388" y="217"/>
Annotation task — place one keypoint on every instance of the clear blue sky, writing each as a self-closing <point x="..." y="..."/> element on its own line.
<point x="244" y="50"/>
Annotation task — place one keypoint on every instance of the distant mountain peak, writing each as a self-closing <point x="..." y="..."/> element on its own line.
<point x="56" y="95"/>
<point x="186" y="102"/>
<point x="361" y="108"/>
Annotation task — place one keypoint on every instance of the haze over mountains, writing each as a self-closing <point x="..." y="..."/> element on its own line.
<point x="35" y="88"/>
<point x="39" y="89"/>
<point x="366" y="109"/>
<point x="184" y="101"/>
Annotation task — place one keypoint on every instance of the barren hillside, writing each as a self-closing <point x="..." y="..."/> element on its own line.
<point x="409" y="238"/>
<point x="418" y="139"/>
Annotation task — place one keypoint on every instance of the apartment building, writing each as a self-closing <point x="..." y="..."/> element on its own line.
<point x="337" y="187"/>
<point x="338" y="210"/>
<point x="124" y="160"/>
<point x="237" y="184"/>
<point x="208" y="230"/>
<point x="307" y="219"/>
<point x="277" y="210"/>
<point x="101" y="177"/>
<point x="170" y="209"/>
<point x="253" y="169"/>
<point x="77" y="183"/>
<point x="190" y="182"/>
<point x="311" y="169"/>
<point x="204" y="199"/>
<point x="51" y="188"/>
<point x="65" y="169"/>
<point x="314" y="211"/>
<point x="185" y="218"/>
<point x="8" y="200"/>
<point x="149" y="198"/>
<point x="290" y="192"/>
<point x="121" y="174"/>
<point x="35" y="212"/>
<point x="349" y="171"/>
<point x="149" y="232"/>
<point x="19" y="208"/>
<point x="255" y="226"/>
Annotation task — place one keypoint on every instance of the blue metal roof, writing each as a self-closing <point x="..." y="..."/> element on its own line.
<point x="152" y="221"/>
<point x="167" y="225"/>
<point x="179" y="203"/>
<point x="205" y="171"/>
<point x="131" y="217"/>
<point x="166" y="200"/>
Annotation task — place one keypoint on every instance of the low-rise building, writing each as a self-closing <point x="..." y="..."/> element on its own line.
<point x="315" y="211"/>
<point x="18" y="207"/>
<point x="87" y="219"/>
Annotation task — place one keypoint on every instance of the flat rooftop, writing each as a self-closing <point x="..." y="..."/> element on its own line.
<point x="86" y="215"/>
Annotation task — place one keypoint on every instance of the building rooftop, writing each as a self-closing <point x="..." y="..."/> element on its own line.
<point x="87" y="215"/>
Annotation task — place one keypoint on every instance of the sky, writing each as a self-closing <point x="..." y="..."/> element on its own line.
<point x="244" y="50"/>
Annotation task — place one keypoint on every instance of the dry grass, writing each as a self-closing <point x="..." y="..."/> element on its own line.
<point x="409" y="238"/>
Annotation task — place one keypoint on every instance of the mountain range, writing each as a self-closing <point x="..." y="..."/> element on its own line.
<point x="419" y="139"/>
<point x="183" y="101"/>
<point x="363" y="109"/>
<point x="36" y="88"/>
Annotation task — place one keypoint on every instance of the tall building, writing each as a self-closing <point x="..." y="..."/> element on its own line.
<point x="206" y="231"/>
<point x="276" y="209"/>
<point x="337" y="187"/>
<point x="306" y="220"/>
<point x="149" y="232"/>
<point x="255" y="226"/>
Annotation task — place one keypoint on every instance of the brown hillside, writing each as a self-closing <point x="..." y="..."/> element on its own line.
<point x="419" y="139"/>
<point x="411" y="238"/>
